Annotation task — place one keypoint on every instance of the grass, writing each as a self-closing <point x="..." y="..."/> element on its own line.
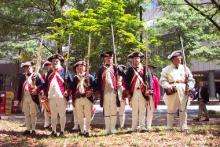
<point x="199" y="135"/>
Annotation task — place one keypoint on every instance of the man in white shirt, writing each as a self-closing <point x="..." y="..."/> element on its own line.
<point x="57" y="87"/>
<point x="175" y="78"/>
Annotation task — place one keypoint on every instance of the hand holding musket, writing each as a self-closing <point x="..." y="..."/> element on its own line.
<point x="45" y="103"/>
<point x="89" y="93"/>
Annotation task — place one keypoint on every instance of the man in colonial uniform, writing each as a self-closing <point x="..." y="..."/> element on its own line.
<point x="121" y="89"/>
<point x="156" y="97"/>
<point x="28" y="96"/>
<point x="46" y="68"/>
<point x="139" y="91"/>
<point x="107" y="85"/>
<point x="57" y="85"/>
<point x="82" y="95"/>
<point x="175" y="78"/>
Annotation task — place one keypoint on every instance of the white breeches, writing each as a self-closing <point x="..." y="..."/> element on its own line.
<point x="150" y="111"/>
<point x="58" y="107"/>
<point x="46" y="118"/>
<point x="122" y="113"/>
<point x="110" y="110"/>
<point x="174" y="102"/>
<point x="30" y="110"/>
<point x="138" y="104"/>
<point x="84" y="110"/>
<point x="76" y="123"/>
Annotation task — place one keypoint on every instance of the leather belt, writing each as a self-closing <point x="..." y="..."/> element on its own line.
<point x="81" y="95"/>
<point x="179" y="81"/>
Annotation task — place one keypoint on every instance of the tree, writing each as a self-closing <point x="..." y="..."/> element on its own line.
<point x="199" y="38"/>
<point x="98" y="22"/>
<point x="23" y="21"/>
<point x="210" y="9"/>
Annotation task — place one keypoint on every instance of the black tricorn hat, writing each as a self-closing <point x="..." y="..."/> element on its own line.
<point x="136" y="54"/>
<point x="151" y="65"/>
<point x="56" y="56"/>
<point x="80" y="62"/>
<point x="46" y="63"/>
<point x="28" y="63"/>
<point x="107" y="54"/>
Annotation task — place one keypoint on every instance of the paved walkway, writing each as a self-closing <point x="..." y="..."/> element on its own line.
<point x="98" y="121"/>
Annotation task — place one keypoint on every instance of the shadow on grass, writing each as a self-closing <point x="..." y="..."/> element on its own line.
<point x="20" y="134"/>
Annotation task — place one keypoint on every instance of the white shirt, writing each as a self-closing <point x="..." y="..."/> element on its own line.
<point x="54" y="89"/>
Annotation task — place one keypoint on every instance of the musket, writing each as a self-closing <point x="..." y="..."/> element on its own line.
<point x="88" y="56"/>
<point x="115" y="60"/>
<point x="145" y="77"/>
<point x="65" y="50"/>
<point x="38" y="62"/>
<point x="88" y="66"/>
<point x="185" y="70"/>
<point x="39" y="58"/>
<point x="43" y="98"/>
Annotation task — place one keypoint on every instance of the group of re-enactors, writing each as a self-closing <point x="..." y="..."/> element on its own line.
<point x="114" y="86"/>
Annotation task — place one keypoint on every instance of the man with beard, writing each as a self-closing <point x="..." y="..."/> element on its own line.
<point x="57" y="86"/>
<point x="28" y="96"/>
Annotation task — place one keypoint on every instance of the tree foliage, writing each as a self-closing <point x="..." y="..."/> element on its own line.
<point x="200" y="37"/>
<point x="97" y="21"/>
<point x="26" y="20"/>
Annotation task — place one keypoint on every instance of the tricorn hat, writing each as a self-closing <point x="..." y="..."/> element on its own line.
<point x="46" y="63"/>
<point x="28" y="63"/>
<point x="136" y="54"/>
<point x="175" y="54"/>
<point x="107" y="54"/>
<point x="151" y="65"/>
<point x="80" y="62"/>
<point x="56" y="56"/>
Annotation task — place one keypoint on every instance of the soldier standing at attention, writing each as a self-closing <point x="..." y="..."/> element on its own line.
<point x="107" y="85"/>
<point x="82" y="95"/>
<point x="174" y="78"/>
<point x="28" y="96"/>
<point x="139" y="92"/>
<point x="57" y="88"/>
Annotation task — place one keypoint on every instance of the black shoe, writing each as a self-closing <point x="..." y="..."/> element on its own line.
<point x="33" y="132"/>
<point x="61" y="134"/>
<point x="53" y="134"/>
<point x="26" y="132"/>
<point x="47" y="127"/>
<point x="86" y="134"/>
<point x="197" y="119"/>
<point x="185" y="131"/>
<point x="206" y="119"/>
<point x="81" y="134"/>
